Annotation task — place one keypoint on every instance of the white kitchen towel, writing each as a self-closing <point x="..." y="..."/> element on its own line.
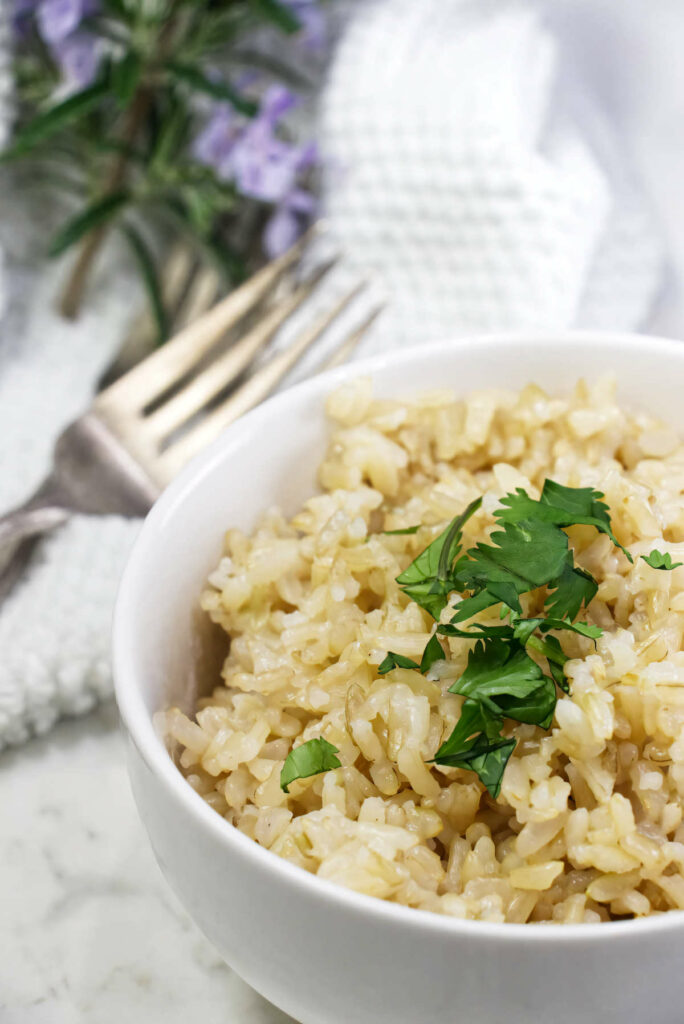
<point x="457" y="173"/>
<point x="459" y="178"/>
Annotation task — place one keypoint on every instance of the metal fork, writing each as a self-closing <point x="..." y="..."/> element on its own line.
<point x="141" y="430"/>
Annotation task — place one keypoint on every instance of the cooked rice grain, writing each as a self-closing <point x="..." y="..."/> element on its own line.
<point x="588" y="825"/>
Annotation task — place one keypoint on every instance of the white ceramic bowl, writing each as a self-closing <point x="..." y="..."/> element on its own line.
<point x="322" y="953"/>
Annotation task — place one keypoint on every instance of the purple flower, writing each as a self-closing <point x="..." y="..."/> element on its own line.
<point x="313" y="32"/>
<point x="22" y="12"/>
<point x="59" y="18"/>
<point x="265" y="167"/>
<point x="78" y="57"/>
<point x="75" y="50"/>
<point x="214" y="144"/>
<point x="285" y="225"/>
<point x="275" y="103"/>
<point x="262" y="165"/>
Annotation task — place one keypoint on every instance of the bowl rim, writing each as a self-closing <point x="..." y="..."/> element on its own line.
<point x="140" y="727"/>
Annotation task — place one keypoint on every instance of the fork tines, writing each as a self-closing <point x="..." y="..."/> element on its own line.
<point x="173" y="404"/>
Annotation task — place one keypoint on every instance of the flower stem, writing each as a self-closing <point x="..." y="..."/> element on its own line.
<point x="72" y="297"/>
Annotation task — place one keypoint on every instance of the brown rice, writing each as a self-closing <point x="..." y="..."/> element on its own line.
<point x="588" y="825"/>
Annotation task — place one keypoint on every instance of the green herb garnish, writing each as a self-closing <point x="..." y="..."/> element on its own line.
<point x="405" y="531"/>
<point x="311" y="758"/>
<point x="502" y="680"/>
<point x="658" y="560"/>
<point x="433" y="652"/>
<point x="429" y="578"/>
<point x="561" y="506"/>
<point x="396" y="661"/>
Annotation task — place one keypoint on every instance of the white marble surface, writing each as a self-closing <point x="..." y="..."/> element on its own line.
<point x="90" y="932"/>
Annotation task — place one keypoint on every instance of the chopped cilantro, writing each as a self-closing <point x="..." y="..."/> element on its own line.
<point x="658" y="560"/>
<point x="561" y="506"/>
<point x="477" y="745"/>
<point x="497" y="667"/>
<point x="550" y="646"/>
<point x="310" y="758"/>
<point x="525" y="627"/>
<point x="433" y="652"/>
<point x="523" y="556"/>
<point x="404" y="532"/>
<point x="502" y="680"/>
<point x="428" y="579"/>
<point x="569" y="591"/>
<point x="393" y="660"/>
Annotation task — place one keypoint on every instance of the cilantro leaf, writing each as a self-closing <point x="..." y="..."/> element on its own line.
<point x="528" y="552"/>
<point x="497" y="668"/>
<point x="404" y="532"/>
<point x="658" y="560"/>
<point x="427" y="580"/>
<point x="431" y="594"/>
<point x="470" y="606"/>
<point x="488" y="759"/>
<point x="556" y="659"/>
<point x="433" y="652"/>
<point x="478" y="631"/>
<point x="571" y="589"/>
<point x="477" y="745"/>
<point x="523" y="556"/>
<point x="537" y="708"/>
<point x="311" y="758"/>
<point x="435" y="560"/>
<point x="525" y="627"/>
<point x="502" y="675"/>
<point x="475" y="718"/>
<point x="501" y="679"/>
<point x="393" y="660"/>
<point x="562" y="506"/>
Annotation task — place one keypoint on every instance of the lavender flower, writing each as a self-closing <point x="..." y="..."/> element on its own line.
<point x="262" y="165"/>
<point x="57" y="19"/>
<point x="265" y="167"/>
<point x="313" y="33"/>
<point x="76" y="51"/>
<point x="78" y="57"/>
<point x="22" y="13"/>
<point x="284" y="227"/>
<point x="275" y="103"/>
<point x="214" y="144"/>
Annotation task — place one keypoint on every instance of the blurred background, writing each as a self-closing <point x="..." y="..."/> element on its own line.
<point x="479" y="165"/>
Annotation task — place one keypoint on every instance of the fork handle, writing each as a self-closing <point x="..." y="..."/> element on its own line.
<point x="40" y="514"/>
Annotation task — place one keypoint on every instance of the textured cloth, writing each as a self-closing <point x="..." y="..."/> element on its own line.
<point x="455" y="176"/>
<point x="460" y="180"/>
<point x="55" y="625"/>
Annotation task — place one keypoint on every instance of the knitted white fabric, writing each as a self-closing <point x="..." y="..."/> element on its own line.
<point x="451" y="177"/>
<point x="54" y="626"/>
<point x="458" y="179"/>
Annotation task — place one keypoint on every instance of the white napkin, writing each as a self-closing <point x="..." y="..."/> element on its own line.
<point x="459" y="178"/>
<point x="455" y="174"/>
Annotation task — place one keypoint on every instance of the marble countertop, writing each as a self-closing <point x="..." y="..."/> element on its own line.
<point x="90" y="931"/>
